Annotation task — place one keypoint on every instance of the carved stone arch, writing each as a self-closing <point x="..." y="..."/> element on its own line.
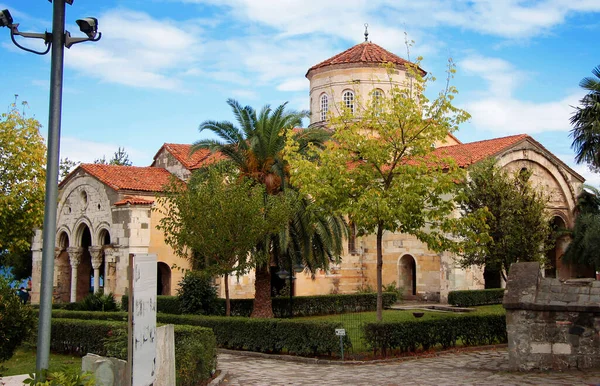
<point x="63" y="237"/>
<point x="79" y="229"/>
<point x="103" y="234"/>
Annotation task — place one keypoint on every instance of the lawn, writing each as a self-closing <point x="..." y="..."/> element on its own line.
<point x="352" y="322"/>
<point x="23" y="362"/>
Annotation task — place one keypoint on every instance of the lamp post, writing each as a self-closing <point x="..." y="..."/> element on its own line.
<point x="57" y="40"/>
<point x="283" y="274"/>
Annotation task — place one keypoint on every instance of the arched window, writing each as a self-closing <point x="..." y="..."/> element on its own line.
<point x="377" y="100"/>
<point x="348" y="98"/>
<point x="324" y="106"/>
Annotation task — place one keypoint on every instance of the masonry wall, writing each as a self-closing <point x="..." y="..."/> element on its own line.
<point x="551" y="324"/>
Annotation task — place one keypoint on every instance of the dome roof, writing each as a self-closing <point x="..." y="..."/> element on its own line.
<point x="365" y="52"/>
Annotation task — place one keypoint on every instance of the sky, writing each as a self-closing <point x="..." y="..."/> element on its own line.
<point x="164" y="66"/>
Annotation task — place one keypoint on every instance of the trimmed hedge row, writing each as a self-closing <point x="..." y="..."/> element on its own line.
<point x="476" y="297"/>
<point x="195" y="354"/>
<point x="408" y="336"/>
<point x="262" y="335"/>
<point x="303" y="305"/>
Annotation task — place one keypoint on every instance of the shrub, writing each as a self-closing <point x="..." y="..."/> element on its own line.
<point x="197" y="294"/>
<point x="165" y="304"/>
<point x="408" y="336"/>
<point x="17" y="320"/>
<point x="476" y="297"/>
<point x="109" y="338"/>
<point x="96" y="302"/>
<point x="63" y="378"/>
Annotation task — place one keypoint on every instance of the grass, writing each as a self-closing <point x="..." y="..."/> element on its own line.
<point x="23" y="362"/>
<point x="353" y="322"/>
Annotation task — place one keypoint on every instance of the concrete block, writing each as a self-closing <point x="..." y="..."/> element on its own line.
<point x="561" y="348"/>
<point x="541" y="348"/>
<point x="165" y="356"/>
<point x="107" y="371"/>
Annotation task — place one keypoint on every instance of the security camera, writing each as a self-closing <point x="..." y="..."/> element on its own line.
<point x="88" y="26"/>
<point x="5" y="18"/>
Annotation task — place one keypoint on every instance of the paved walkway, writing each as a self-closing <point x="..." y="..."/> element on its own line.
<point x="486" y="367"/>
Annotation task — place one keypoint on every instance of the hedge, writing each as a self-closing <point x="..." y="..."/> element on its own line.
<point x="476" y="297"/>
<point x="195" y="347"/>
<point x="408" y="336"/>
<point x="262" y="335"/>
<point x="303" y="305"/>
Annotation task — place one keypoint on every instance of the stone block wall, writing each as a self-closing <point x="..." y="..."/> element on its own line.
<point x="551" y="324"/>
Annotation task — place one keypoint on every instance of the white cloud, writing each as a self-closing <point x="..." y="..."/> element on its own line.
<point x="244" y="94"/>
<point x="84" y="151"/>
<point x="137" y="50"/>
<point x="496" y="108"/>
<point x="295" y="84"/>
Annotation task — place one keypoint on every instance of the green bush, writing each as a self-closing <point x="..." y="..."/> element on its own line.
<point x="109" y="338"/>
<point x="63" y="378"/>
<point x="197" y="294"/>
<point x="303" y="305"/>
<point x="476" y="297"/>
<point x="97" y="302"/>
<point x="17" y="320"/>
<point x="408" y="336"/>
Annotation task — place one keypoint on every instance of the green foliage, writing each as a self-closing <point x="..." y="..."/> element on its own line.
<point x="518" y="225"/>
<point x="97" y="302"/>
<point x="195" y="354"/>
<point x="63" y="378"/>
<point x="586" y="123"/>
<point x="408" y="336"/>
<point x="22" y="167"/>
<point x="393" y="288"/>
<point x="197" y="294"/>
<point x="17" y="320"/>
<point x="585" y="244"/>
<point x="476" y="297"/>
<point x="65" y="167"/>
<point x="120" y="157"/>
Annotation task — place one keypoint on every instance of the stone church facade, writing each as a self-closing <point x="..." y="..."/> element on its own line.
<point x="105" y="212"/>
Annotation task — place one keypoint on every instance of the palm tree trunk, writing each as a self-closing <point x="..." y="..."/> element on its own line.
<point x="263" y="307"/>
<point x="227" y="302"/>
<point x="379" y="273"/>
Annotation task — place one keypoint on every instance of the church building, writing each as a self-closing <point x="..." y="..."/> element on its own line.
<point x="105" y="212"/>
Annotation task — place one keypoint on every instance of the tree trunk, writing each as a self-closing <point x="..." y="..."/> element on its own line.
<point x="379" y="273"/>
<point x="262" y="293"/>
<point x="227" y="302"/>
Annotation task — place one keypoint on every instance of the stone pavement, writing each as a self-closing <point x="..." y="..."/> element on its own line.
<point x="482" y="367"/>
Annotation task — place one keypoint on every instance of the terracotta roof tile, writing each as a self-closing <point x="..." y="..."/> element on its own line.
<point x="190" y="161"/>
<point x="135" y="200"/>
<point x="466" y="154"/>
<point x="365" y="52"/>
<point x="147" y="179"/>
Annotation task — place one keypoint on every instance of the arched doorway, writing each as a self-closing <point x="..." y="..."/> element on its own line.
<point x="163" y="277"/>
<point x="553" y="255"/>
<point x="407" y="276"/>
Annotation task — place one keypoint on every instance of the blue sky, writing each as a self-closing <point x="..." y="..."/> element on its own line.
<point x="164" y="66"/>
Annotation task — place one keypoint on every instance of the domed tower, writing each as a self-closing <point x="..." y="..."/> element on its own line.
<point x="352" y="77"/>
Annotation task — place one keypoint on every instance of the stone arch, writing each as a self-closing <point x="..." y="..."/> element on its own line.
<point x="85" y="271"/>
<point x="80" y="227"/>
<point x="553" y="255"/>
<point x="163" y="278"/>
<point x="62" y="241"/>
<point x="103" y="236"/>
<point x="62" y="267"/>
<point x="407" y="275"/>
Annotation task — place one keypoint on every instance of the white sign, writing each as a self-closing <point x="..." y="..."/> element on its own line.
<point x="142" y="319"/>
<point x="340" y="332"/>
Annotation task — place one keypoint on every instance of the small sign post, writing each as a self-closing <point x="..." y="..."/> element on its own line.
<point x="341" y="333"/>
<point x="142" y="319"/>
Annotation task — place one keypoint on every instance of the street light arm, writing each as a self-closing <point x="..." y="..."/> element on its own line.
<point x="69" y="41"/>
<point x="46" y="36"/>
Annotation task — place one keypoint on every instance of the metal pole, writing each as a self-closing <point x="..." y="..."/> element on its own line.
<point x="49" y="231"/>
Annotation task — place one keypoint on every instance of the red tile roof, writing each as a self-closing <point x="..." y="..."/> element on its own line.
<point x="190" y="161"/>
<point x="466" y="154"/>
<point x="365" y="52"/>
<point x="135" y="200"/>
<point x="147" y="179"/>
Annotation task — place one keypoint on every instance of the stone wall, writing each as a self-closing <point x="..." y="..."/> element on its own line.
<point x="551" y="324"/>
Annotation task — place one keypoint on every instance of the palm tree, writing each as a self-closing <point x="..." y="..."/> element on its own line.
<point x="586" y="122"/>
<point x="255" y="148"/>
<point x="585" y="243"/>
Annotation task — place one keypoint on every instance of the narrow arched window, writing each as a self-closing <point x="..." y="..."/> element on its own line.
<point x="348" y="98"/>
<point x="324" y="106"/>
<point x="378" y="101"/>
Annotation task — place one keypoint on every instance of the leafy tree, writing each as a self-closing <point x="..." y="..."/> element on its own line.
<point x="66" y="166"/>
<point x="17" y="320"/>
<point x="586" y="123"/>
<point x="585" y="243"/>
<point x="518" y="226"/>
<point x="197" y="294"/>
<point x="221" y="219"/>
<point x="22" y="167"/>
<point x="380" y="168"/>
<point x="120" y="157"/>
<point x="255" y="149"/>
